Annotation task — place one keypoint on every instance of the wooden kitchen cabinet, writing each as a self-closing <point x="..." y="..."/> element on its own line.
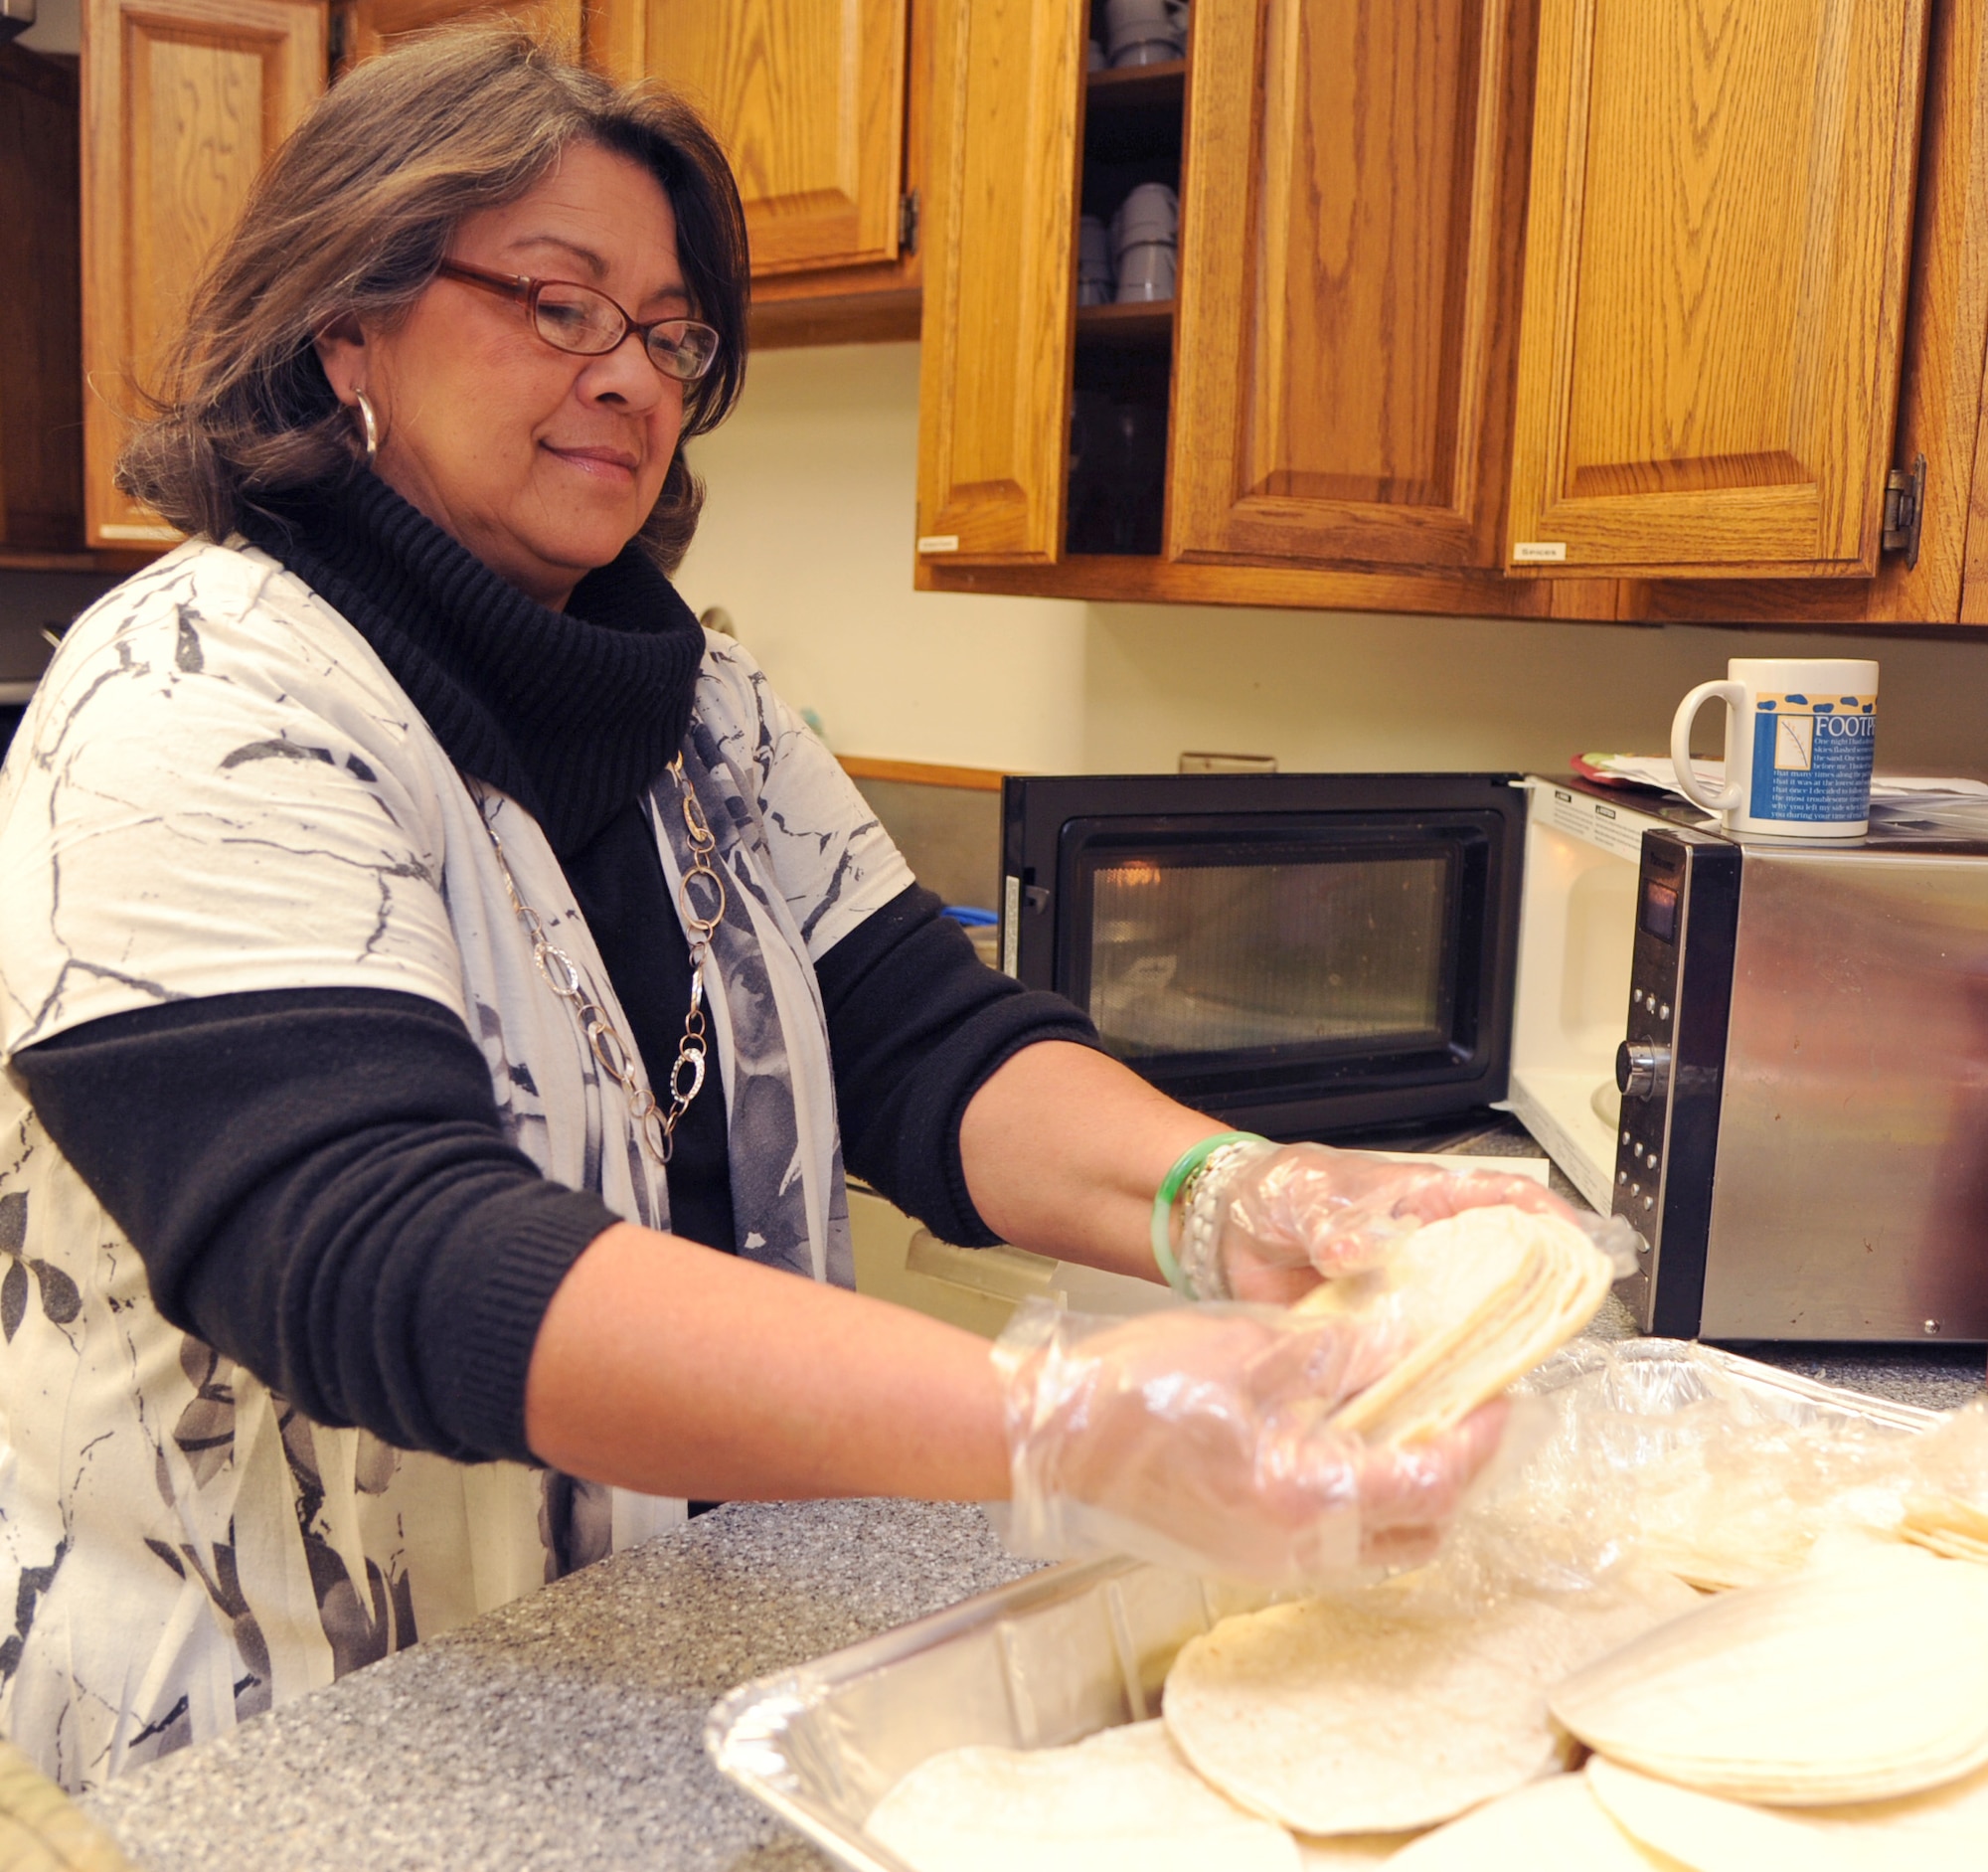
<point x="1000" y="280"/>
<point x="1669" y="289"/>
<point x="1715" y="268"/>
<point x="183" y="101"/>
<point x="1339" y="398"/>
<point x="1349" y="292"/>
<point x="820" y="110"/>
<point x="41" y="363"/>
<point x="360" y="29"/>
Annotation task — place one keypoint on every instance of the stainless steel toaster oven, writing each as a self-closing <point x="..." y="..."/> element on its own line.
<point x="1803" y="1143"/>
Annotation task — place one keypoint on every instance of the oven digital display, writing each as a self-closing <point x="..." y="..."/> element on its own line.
<point x="1658" y="916"/>
<point x="1199" y="958"/>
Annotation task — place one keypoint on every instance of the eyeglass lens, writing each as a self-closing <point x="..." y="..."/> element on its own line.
<point x="580" y="320"/>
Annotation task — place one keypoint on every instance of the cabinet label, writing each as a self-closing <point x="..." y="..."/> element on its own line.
<point x="939" y="541"/>
<point x="1538" y="551"/>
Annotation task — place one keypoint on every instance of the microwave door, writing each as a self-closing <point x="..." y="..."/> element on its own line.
<point x="1299" y="954"/>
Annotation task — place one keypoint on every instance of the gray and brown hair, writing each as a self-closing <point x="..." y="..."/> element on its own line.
<point x="353" y="215"/>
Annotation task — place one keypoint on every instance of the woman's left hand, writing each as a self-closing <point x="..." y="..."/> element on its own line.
<point x="1284" y="1217"/>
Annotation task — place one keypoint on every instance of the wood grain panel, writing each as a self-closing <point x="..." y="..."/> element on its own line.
<point x="1355" y="171"/>
<point x="1151" y="580"/>
<point x="808" y="99"/>
<point x="1720" y="219"/>
<point x="41" y="359"/>
<point x="370" y="26"/>
<point x="921" y="772"/>
<point x="995" y="365"/>
<point x="1941" y="385"/>
<point x="185" y="99"/>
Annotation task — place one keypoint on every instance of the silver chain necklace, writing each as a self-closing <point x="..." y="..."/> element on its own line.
<point x="655" y="1126"/>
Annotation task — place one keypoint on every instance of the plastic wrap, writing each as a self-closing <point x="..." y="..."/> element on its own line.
<point x="1616" y="1457"/>
<point x="1266" y="1219"/>
<point x="1201" y="1439"/>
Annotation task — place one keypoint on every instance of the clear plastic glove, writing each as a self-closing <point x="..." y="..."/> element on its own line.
<point x="1268" y="1222"/>
<point x="1197" y="1438"/>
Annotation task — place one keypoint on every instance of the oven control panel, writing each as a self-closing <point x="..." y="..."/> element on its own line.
<point x="1670" y="1065"/>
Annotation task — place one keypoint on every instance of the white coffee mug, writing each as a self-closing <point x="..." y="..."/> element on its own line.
<point x="1800" y="732"/>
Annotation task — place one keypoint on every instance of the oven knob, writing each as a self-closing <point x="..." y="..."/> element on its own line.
<point x="1641" y="1069"/>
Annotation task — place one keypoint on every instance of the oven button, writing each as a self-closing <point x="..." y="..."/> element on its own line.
<point x="1625" y="1137"/>
<point x="1621" y="1177"/>
<point x="1636" y="997"/>
<point x="1635" y="1189"/>
<point x="1649" y="1202"/>
<point x="1664" y="1012"/>
<point x="1642" y="1071"/>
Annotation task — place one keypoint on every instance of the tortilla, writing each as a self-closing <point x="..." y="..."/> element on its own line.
<point x="1350" y="1852"/>
<point x="1860" y="1679"/>
<point x="1948" y="1526"/>
<point x="1554" y="1826"/>
<point x="1121" y="1800"/>
<point x="1945" y="1830"/>
<point x="1392" y="1708"/>
<point x="1476" y="1301"/>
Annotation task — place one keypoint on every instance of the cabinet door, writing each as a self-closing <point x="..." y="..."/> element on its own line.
<point x="807" y="98"/>
<point x="1000" y="279"/>
<point x="184" y="102"/>
<point x="369" y="27"/>
<point x="41" y="364"/>
<point x="1720" y="222"/>
<point x="1354" y="174"/>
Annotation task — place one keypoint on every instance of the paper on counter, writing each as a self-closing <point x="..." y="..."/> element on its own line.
<point x="1655" y="770"/>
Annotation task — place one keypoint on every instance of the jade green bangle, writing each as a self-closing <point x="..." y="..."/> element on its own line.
<point x="1185" y="1165"/>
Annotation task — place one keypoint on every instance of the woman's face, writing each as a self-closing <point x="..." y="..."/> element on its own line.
<point x="542" y="464"/>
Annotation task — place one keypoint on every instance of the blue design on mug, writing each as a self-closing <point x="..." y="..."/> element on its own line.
<point x="1812" y="759"/>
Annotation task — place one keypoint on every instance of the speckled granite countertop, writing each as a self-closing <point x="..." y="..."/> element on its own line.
<point x="564" y="1729"/>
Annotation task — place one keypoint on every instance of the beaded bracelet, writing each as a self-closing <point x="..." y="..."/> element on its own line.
<point x="1185" y="1165"/>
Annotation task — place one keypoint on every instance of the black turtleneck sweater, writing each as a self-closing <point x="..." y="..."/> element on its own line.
<point x="317" y="1179"/>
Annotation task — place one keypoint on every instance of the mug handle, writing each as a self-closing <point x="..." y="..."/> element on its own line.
<point x="1731" y="794"/>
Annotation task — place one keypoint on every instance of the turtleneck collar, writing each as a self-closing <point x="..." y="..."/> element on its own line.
<point x="571" y="712"/>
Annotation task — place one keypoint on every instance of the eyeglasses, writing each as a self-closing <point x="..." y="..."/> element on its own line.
<point x="576" y="318"/>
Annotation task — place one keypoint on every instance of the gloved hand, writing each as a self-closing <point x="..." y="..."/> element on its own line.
<point x="1197" y="1438"/>
<point x="1267" y="1222"/>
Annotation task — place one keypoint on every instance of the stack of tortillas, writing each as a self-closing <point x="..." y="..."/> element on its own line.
<point x="1393" y="1708"/>
<point x="1864" y="1678"/>
<point x="1946" y="1525"/>
<point x="1121" y="1800"/>
<point x="1475" y="1301"/>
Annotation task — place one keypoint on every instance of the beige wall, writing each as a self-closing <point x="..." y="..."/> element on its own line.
<point x="807" y="538"/>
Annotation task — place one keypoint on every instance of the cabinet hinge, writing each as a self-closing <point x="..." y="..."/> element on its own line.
<point x="907" y="221"/>
<point x="1904" y="509"/>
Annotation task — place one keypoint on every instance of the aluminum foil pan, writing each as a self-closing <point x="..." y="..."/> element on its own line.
<point x="1083" y="1646"/>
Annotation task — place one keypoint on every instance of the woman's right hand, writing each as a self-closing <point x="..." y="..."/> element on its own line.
<point x="1199" y="1438"/>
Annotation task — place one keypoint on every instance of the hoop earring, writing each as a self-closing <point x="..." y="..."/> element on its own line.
<point x="369" y="426"/>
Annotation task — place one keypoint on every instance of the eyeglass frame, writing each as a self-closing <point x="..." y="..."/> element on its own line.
<point x="521" y="287"/>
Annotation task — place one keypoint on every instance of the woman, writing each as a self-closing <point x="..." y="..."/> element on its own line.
<point x="421" y="948"/>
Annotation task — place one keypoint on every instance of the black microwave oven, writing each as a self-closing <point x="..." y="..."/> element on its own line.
<point x="1299" y="954"/>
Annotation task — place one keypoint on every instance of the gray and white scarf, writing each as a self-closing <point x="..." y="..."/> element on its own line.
<point x="219" y="787"/>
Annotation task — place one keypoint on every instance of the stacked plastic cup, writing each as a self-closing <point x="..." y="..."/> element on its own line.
<point x="1145" y="32"/>
<point x="1145" y="240"/>
<point x="1094" y="283"/>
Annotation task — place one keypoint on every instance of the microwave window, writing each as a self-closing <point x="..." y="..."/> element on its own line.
<point x="1215" y="958"/>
